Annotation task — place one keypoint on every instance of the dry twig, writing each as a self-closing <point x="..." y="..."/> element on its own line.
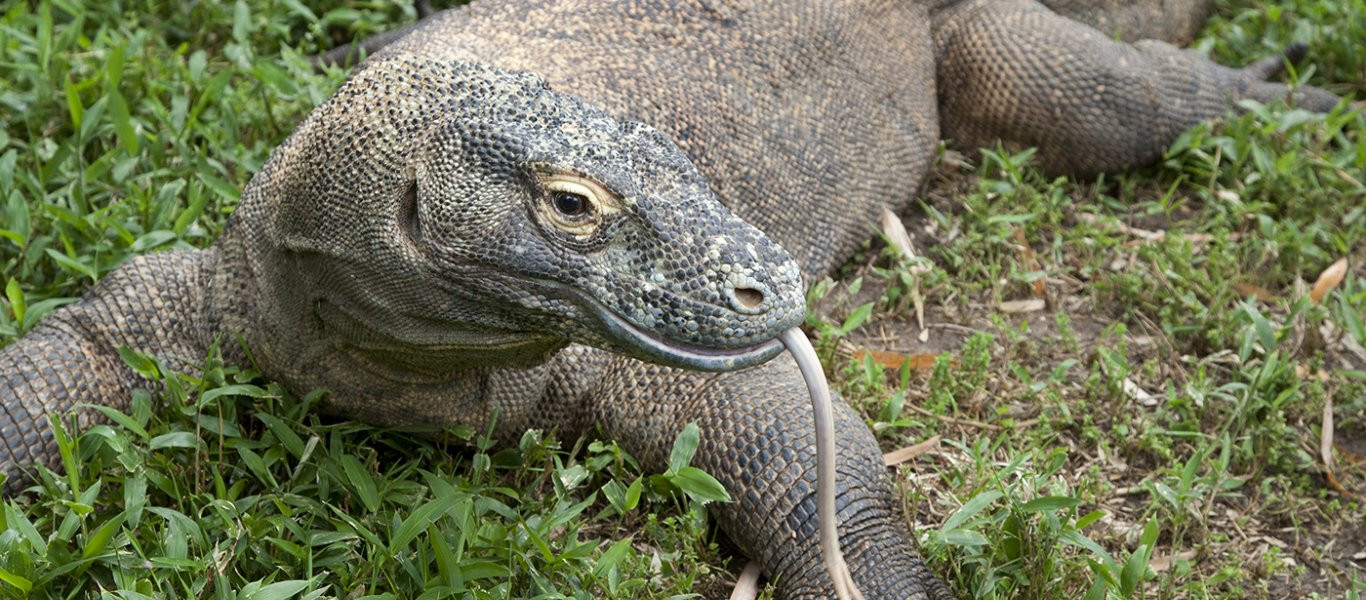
<point x="897" y="457"/>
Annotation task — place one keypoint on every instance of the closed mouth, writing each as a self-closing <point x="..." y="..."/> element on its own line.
<point x="630" y="339"/>
<point x="649" y="346"/>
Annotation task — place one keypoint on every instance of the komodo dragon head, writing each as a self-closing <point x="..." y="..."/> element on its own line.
<point x="433" y="214"/>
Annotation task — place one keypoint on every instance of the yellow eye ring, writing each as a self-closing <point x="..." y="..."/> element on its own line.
<point x="575" y="205"/>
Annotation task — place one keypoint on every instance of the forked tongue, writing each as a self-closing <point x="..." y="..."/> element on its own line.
<point x="805" y="355"/>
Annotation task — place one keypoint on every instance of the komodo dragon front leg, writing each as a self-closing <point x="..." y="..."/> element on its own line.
<point x="1016" y="72"/>
<point x="758" y="441"/>
<point x="72" y="356"/>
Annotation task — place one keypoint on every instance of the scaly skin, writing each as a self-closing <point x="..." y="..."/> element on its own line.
<point x="1110" y="104"/>
<point x="1171" y="21"/>
<point x="404" y="249"/>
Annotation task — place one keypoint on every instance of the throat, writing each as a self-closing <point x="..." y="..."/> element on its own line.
<point x="414" y="350"/>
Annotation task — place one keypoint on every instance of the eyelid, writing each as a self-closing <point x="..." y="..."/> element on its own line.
<point x="573" y="187"/>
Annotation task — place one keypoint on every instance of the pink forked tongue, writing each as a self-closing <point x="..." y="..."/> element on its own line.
<point x="805" y="355"/>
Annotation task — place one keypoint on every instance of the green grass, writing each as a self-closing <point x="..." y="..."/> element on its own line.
<point x="129" y="128"/>
<point x="1226" y="447"/>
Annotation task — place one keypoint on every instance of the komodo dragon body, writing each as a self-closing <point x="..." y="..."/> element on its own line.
<point x="518" y="212"/>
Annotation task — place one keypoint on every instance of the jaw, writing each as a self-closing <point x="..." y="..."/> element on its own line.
<point x="432" y="359"/>
<point x="495" y="329"/>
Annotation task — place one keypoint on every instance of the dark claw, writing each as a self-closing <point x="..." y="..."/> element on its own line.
<point x="1294" y="53"/>
<point x="351" y="54"/>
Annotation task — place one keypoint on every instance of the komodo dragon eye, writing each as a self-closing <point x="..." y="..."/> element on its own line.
<point x="570" y="204"/>
<point x="575" y="205"/>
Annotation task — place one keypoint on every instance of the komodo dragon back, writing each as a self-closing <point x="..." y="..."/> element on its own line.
<point x="506" y="210"/>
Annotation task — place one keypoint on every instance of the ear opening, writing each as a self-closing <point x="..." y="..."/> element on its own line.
<point x="408" y="223"/>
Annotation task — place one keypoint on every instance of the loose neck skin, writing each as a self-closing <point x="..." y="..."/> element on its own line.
<point x="317" y="311"/>
<point x="293" y="343"/>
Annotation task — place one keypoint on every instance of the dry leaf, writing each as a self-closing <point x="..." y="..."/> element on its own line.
<point x="1259" y="293"/>
<point x="1023" y="306"/>
<point x="894" y="360"/>
<point x="1326" y="435"/>
<point x="1164" y="562"/>
<point x="897" y="457"/>
<point x="1348" y="178"/>
<point x="896" y="233"/>
<point x="955" y="159"/>
<point x="1326" y="446"/>
<point x="1333" y="481"/>
<point x="747" y="586"/>
<point x="1152" y="236"/>
<point x="1329" y="279"/>
<point x="1145" y="236"/>
<point x="919" y="303"/>
<point x="1138" y="394"/>
<point x="901" y="240"/>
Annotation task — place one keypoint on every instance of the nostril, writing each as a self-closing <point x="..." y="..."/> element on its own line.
<point x="749" y="297"/>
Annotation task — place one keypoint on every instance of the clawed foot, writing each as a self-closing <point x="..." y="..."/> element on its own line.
<point x="1260" y="88"/>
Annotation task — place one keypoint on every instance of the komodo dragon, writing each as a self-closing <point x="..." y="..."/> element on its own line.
<point x="450" y="236"/>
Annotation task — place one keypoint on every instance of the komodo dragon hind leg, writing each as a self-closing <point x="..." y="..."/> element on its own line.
<point x="758" y="440"/>
<point x="1015" y="71"/>
<point x="1172" y="21"/>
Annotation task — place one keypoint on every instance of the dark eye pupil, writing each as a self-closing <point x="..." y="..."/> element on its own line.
<point x="569" y="203"/>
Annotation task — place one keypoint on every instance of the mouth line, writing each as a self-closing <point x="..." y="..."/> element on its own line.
<point x="650" y="346"/>
<point x="634" y="341"/>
